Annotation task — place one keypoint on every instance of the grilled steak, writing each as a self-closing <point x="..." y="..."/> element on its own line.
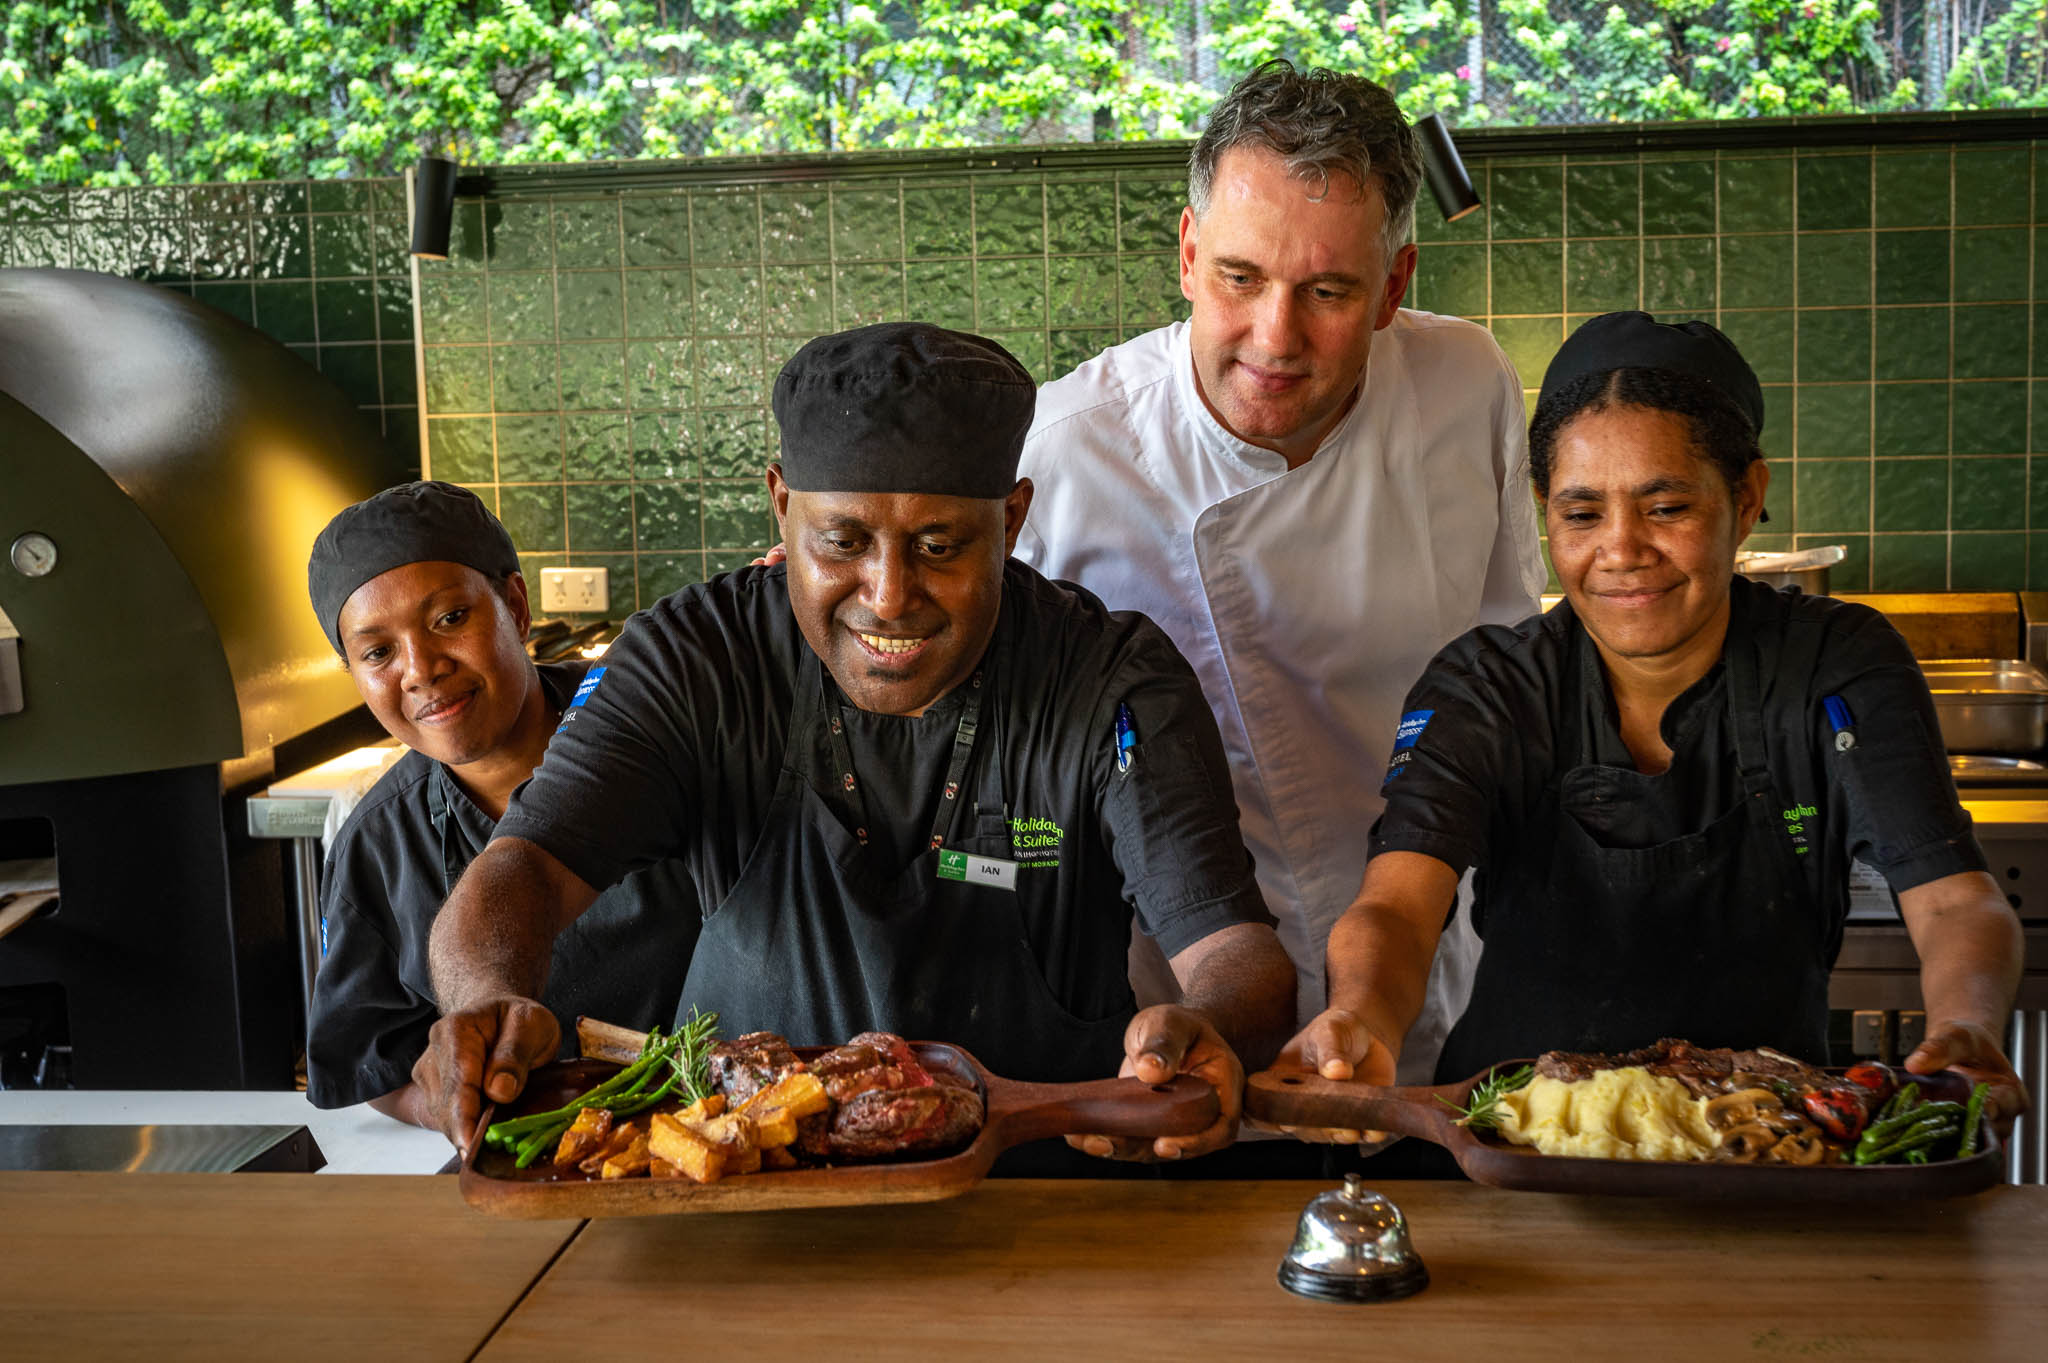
<point x="884" y="1102"/>
<point x="742" y="1067"/>
<point x="882" y="1122"/>
<point x="1703" y="1070"/>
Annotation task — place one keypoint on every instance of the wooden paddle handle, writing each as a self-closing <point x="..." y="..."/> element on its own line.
<point x="1182" y="1106"/>
<point x="1309" y="1100"/>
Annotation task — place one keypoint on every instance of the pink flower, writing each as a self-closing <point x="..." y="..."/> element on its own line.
<point x="1720" y="44"/>
<point x="1809" y="10"/>
<point x="1464" y="73"/>
<point x="1346" y="24"/>
<point x="1056" y="11"/>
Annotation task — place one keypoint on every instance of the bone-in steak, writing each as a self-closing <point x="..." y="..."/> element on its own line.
<point x="744" y="1066"/>
<point x="884" y="1101"/>
<point x="882" y="1122"/>
<point x="1704" y="1070"/>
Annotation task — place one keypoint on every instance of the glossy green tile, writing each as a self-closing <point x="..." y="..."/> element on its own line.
<point x="1989" y="494"/>
<point x="1834" y="191"/>
<point x="452" y="307"/>
<point x="341" y="245"/>
<point x="284" y="312"/>
<point x="1765" y="340"/>
<point x="1987" y="562"/>
<point x="590" y="304"/>
<point x="1993" y="185"/>
<point x="1780" y="405"/>
<point x="799" y="300"/>
<point x="103" y="247"/>
<point x="203" y="200"/>
<point x="280" y="247"/>
<point x="1852" y="574"/>
<point x="1909" y="563"/>
<point x="941" y="292"/>
<point x="866" y="294"/>
<point x="2037" y="491"/>
<point x="458" y="379"/>
<point x="1834" y="269"/>
<point x="1912" y="188"/>
<point x="1011" y="293"/>
<point x="659" y="303"/>
<point x="1151" y="290"/>
<point x="2039" y="408"/>
<point x="347" y="308"/>
<point x="796" y="227"/>
<point x="394" y="309"/>
<point x="728" y="300"/>
<point x="867" y="224"/>
<point x="1070" y="349"/>
<point x="2037" y="561"/>
<point x="530" y="447"/>
<point x="1834" y="422"/>
<point x="1528" y="277"/>
<point x="468" y="239"/>
<point x="162" y="250"/>
<point x="523" y="378"/>
<point x="338" y="196"/>
<point x="401" y="381"/>
<point x="596" y="446"/>
<point x="1528" y="201"/>
<point x="1756" y="194"/>
<point x="1834" y="343"/>
<point x="667" y="515"/>
<point x="1991" y="341"/>
<point x="1990" y="418"/>
<point x="1756" y="272"/>
<point x="1009" y="219"/>
<point x="1450" y="279"/>
<point x="1678" y="198"/>
<point x="1029" y="348"/>
<point x="220" y="249"/>
<point x="1912" y="267"/>
<point x="1602" y="200"/>
<point x="1911" y="343"/>
<point x="520" y="235"/>
<point x="736" y="516"/>
<point x="656" y="229"/>
<point x="90" y="205"/>
<point x="600" y="517"/>
<point x="665" y="574"/>
<point x="587" y="233"/>
<point x="1910" y="494"/>
<point x="1148" y="212"/>
<point x="725" y="226"/>
<point x="1910" y="418"/>
<point x="1081" y="291"/>
<point x="522" y="305"/>
<point x="1991" y="263"/>
<point x="659" y="374"/>
<point x="593" y="376"/>
<point x="1831" y="497"/>
<point x="734" y="444"/>
<point x="1600" y="276"/>
<point x="938" y="221"/>
<point x="1080" y="215"/>
<point x="1529" y="343"/>
<point x="729" y="372"/>
<point x="662" y="446"/>
<point x="1679" y="276"/>
<point x="461" y="449"/>
<point x="532" y="516"/>
<point x="353" y="369"/>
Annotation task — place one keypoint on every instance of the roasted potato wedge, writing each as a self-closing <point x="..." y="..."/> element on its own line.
<point x="801" y="1094"/>
<point x="698" y="1158"/>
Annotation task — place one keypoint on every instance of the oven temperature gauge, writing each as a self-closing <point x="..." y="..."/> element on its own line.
<point x="33" y="555"/>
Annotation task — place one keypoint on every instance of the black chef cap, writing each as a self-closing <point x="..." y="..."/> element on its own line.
<point x="903" y="407"/>
<point x="1636" y="340"/>
<point x="411" y="523"/>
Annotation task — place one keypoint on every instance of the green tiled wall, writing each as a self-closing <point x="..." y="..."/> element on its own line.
<point x="600" y="366"/>
<point x="323" y="268"/>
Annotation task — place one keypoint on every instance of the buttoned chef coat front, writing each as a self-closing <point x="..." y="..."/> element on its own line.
<point x="1308" y="601"/>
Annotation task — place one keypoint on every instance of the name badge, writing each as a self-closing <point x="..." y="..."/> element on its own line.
<point x="977" y="870"/>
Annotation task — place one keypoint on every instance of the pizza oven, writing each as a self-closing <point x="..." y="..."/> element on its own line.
<point x="163" y="471"/>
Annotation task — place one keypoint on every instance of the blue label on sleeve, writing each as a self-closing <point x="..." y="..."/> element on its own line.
<point x="590" y="681"/>
<point x="1411" y="727"/>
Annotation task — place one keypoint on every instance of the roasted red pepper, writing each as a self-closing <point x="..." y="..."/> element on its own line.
<point x="1838" y="1112"/>
<point x="1876" y="1078"/>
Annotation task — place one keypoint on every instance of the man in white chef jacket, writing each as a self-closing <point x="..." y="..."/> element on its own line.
<point x="1308" y="487"/>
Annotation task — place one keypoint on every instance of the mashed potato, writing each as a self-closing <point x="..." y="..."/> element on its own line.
<point x="1617" y="1114"/>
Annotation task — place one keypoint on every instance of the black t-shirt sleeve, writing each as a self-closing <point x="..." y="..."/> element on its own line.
<point x="616" y="790"/>
<point x="1170" y="819"/>
<point x="1903" y="816"/>
<point x="366" y="1027"/>
<point x="1455" y="750"/>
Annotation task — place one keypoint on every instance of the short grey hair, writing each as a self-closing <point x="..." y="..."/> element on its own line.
<point x="1321" y="123"/>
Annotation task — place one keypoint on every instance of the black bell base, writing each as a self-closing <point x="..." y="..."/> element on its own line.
<point x="1307" y="1282"/>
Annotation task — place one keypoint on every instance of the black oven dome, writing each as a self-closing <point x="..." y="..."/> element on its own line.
<point x="180" y="462"/>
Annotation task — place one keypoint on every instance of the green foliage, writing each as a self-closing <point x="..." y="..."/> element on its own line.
<point x="129" y="91"/>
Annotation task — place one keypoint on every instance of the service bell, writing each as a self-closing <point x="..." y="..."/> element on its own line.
<point x="1352" y="1245"/>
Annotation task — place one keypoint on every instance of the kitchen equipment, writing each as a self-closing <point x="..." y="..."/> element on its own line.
<point x="163" y="471"/>
<point x="1352" y="1245"/>
<point x="1806" y="569"/>
<point x="154" y="1149"/>
<point x="1015" y="1112"/>
<point x="1431" y="1114"/>
<point x="1989" y="705"/>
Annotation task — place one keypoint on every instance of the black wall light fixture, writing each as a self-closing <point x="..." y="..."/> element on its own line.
<point x="433" y="206"/>
<point x="1441" y="166"/>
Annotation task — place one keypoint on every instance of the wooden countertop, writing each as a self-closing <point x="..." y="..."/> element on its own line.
<point x="260" y="1266"/>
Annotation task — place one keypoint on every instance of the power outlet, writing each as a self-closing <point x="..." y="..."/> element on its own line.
<point x="580" y="591"/>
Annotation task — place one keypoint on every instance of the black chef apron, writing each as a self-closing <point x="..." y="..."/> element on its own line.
<point x="818" y="942"/>
<point x="1712" y="938"/>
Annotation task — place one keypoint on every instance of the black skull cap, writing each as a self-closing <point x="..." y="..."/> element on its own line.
<point x="903" y="407"/>
<point x="411" y="523"/>
<point x="1636" y="340"/>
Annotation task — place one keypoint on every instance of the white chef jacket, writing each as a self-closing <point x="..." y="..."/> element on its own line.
<point x="1307" y="601"/>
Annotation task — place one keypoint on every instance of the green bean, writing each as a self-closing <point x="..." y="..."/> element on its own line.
<point x="1972" y="1122"/>
<point x="1916" y="1138"/>
<point x="1881" y="1131"/>
<point x="1902" y="1100"/>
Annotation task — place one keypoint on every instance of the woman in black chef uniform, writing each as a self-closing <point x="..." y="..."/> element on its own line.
<point x="1663" y="781"/>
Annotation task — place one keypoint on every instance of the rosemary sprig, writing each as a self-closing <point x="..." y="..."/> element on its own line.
<point x="1482" y="1110"/>
<point x="692" y="1058"/>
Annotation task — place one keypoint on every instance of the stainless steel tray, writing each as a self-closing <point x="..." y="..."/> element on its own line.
<point x="1989" y="705"/>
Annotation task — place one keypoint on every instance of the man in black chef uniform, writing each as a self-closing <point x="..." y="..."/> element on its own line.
<point x="919" y="786"/>
<point x="419" y="590"/>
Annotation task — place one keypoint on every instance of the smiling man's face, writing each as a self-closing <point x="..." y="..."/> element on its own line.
<point x="897" y="593"/>
<point x="440" y="657"/>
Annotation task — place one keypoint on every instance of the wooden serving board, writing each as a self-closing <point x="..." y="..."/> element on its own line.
<point x="1015" y="1112"/>
<point x="1427" y="1113"/>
